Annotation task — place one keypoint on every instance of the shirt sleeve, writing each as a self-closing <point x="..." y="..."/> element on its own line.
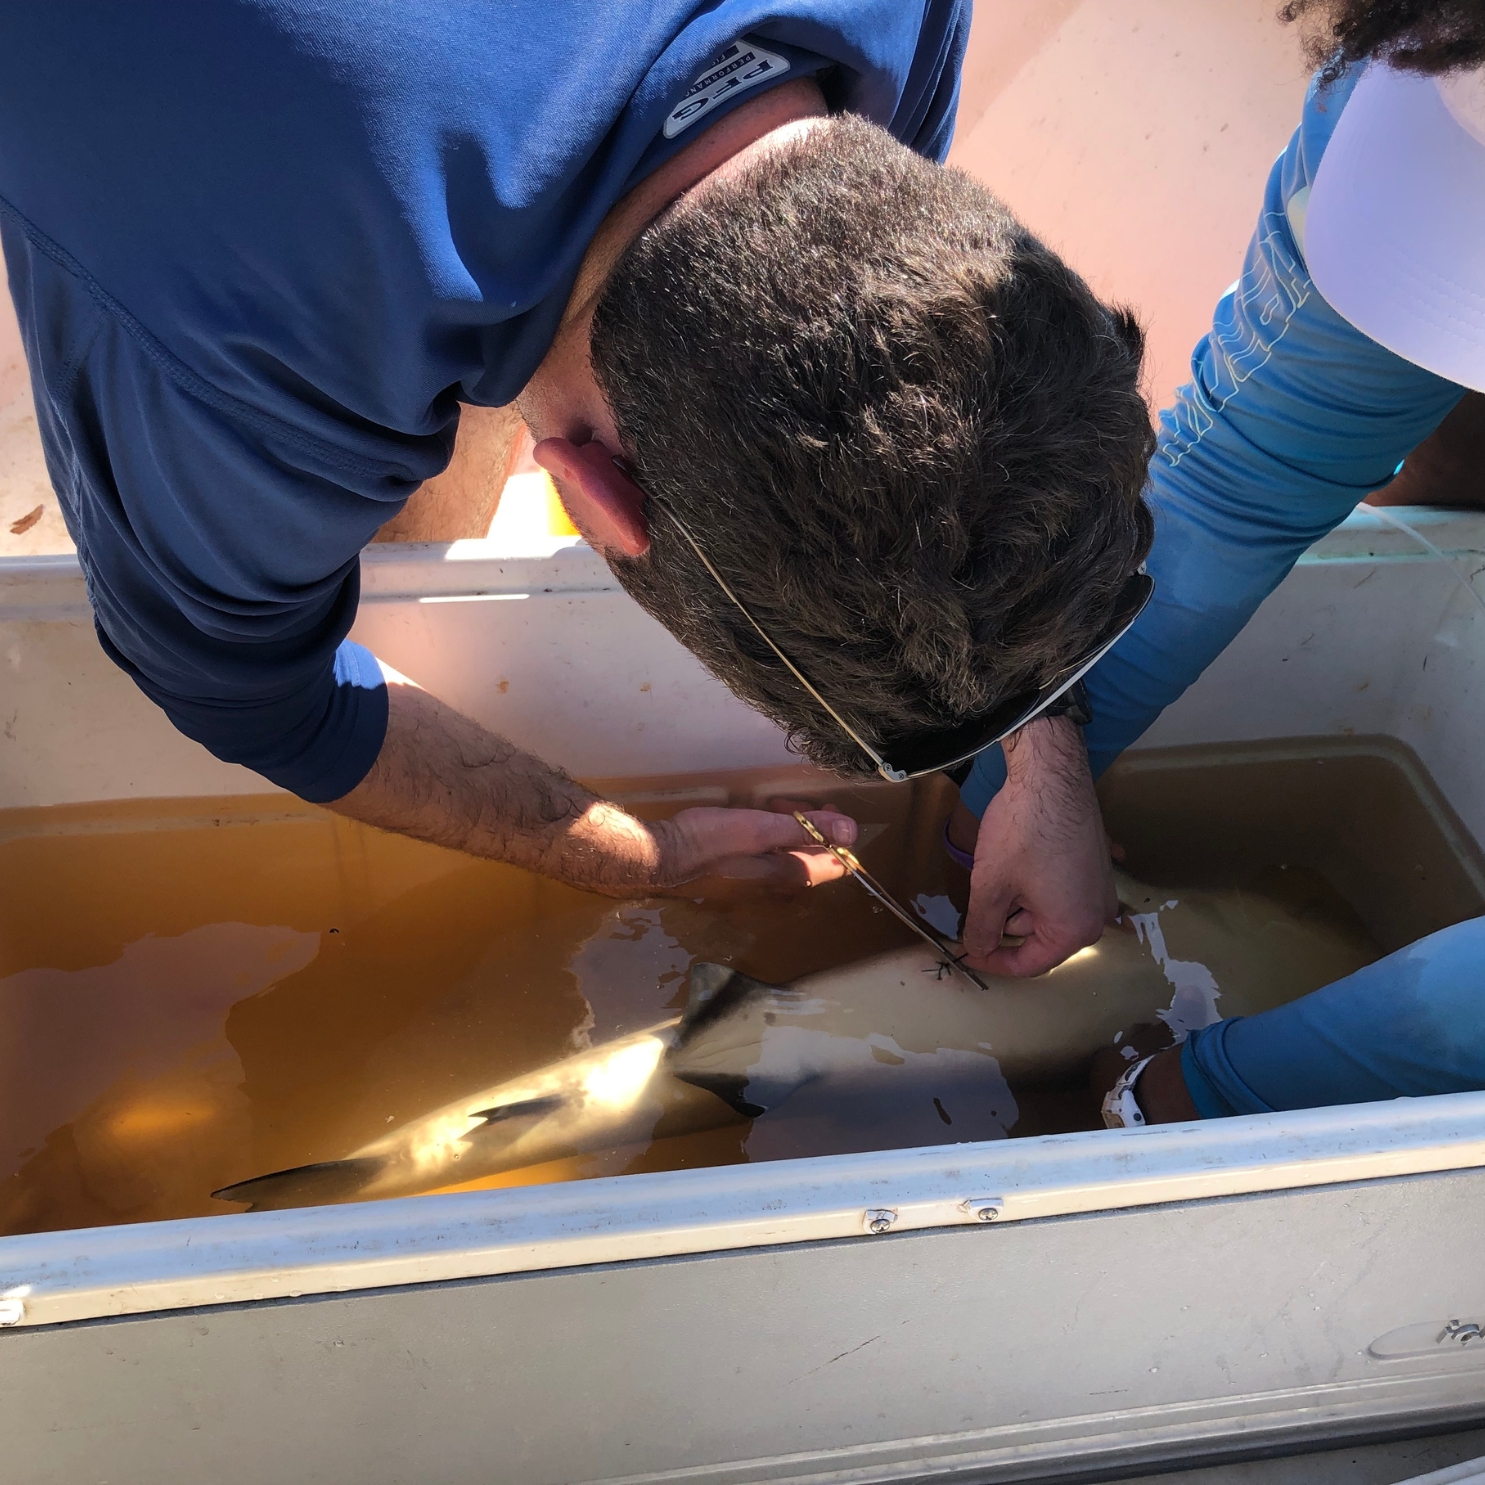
<point x="898" y="65"/>
<point x="931" y="98"/>
<point x="1292" y="417"/>
<point x="220" y="547"/>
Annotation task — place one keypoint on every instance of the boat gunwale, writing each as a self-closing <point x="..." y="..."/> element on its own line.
<point x="61" y="1277"/>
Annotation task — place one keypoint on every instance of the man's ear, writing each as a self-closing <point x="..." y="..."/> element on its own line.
<point x="604" y="503"/>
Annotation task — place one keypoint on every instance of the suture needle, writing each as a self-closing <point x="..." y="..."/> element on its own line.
<point x="929" y="935"/>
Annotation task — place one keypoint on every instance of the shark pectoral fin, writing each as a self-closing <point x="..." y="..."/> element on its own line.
<point x="720" y="1036"/>
<point x="731" y="1088"/>
<point x="323" y="1184"/>
<point x="526" y="1108"/>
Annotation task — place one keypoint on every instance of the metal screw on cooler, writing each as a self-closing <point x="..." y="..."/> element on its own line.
<point x="983" y="1208"/>
<point x="879" y="1219"/>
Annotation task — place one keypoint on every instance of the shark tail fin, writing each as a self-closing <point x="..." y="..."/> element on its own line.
<point x="720" y="1036"/>
<point x="324" y="1184"/>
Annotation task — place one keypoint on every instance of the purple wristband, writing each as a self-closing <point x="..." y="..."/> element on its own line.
<point x="966" y="859"/>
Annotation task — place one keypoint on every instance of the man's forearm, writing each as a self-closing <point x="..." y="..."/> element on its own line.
<point x="1041" y="870"/>
<point x="1049" y="755"/>
<point x="442" y="778"/>
<point x="1051" y="749"/>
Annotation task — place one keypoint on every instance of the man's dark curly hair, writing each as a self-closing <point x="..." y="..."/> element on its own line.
<point x="1428" y="36"/>
<point x="905" y="432"/>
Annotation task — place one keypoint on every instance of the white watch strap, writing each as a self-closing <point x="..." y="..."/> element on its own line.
<point x="1121" y="1109"/>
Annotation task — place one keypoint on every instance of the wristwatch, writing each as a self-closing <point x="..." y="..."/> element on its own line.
<point x="1121" y="1109"/>
<point x="1072" y="704"/>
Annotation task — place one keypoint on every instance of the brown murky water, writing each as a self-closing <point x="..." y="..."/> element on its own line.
<point x="197" y="991"/>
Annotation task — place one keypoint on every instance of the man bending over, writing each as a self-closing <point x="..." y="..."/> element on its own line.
<point x="780" y="360"/>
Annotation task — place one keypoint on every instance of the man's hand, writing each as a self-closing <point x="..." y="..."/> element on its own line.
<point x="1161" y="1091"/>
<point x="442" y="778"/>
<point x="1042" y="870"/>
<point x="729" y="850"/>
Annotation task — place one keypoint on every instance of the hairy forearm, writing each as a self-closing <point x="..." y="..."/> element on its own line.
<point x="1051" y="751"/>
<point x="442" y="778"/>
<point x="1048" y="755"/>
<point x="1041" y="876"/>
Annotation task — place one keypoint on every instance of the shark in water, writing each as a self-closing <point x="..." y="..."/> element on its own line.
<point x="741" y="1047"/>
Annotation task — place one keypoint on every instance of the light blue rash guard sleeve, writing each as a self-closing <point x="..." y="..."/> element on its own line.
<point x="1292" y="416"/>
<point x="1408" y="1026"/>
<point x="263" y="250"/>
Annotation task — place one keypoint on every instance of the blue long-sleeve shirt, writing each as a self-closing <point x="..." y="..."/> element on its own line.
<point x="1292" y="417"/>
<point x="261" y="251"/>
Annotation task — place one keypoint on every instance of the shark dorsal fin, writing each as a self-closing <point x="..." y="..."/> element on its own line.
<point x="720" y="1037"/>
<point x="715" y="991"/>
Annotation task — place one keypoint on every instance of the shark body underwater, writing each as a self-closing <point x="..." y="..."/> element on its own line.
<point x="742" y="1048"/>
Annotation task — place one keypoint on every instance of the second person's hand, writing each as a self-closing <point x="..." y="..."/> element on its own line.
<point x="747" y="848"/>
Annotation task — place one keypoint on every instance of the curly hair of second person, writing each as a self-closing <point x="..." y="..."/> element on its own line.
<point x="1428" y="36"/>
<point x="909" y="436"/>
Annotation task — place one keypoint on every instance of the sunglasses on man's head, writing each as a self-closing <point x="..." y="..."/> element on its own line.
<point x="911" y="757"/>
